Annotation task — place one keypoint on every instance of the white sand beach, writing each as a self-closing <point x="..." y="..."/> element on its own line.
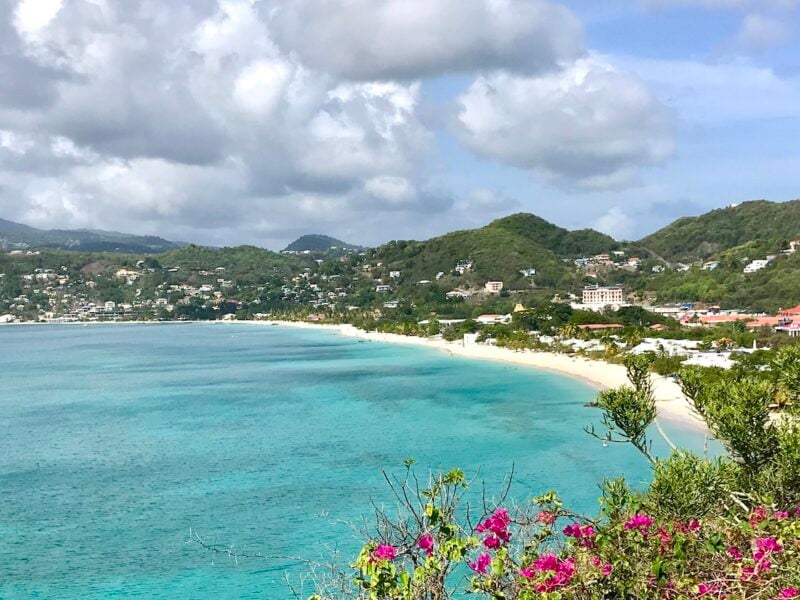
<point x="670" y="401"/>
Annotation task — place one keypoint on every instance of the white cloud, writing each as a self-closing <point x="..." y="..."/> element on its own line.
<point x="590" y="125"/>
<point x="261" y="85"/>
<point x="407" y="39"/>
<point x="31" y="16"/>
<point x="760" y="32"/>
<point x="615" y="223"/>
<point x="176" y="116"/>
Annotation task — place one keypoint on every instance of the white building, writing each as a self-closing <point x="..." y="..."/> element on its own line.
<point x="494" y="287"/>
<point x="394" y="274"/>
<point x="528" y="272"/>
<point x="597" y="296"/>
<point x="757" y="265"/>
<point x="493" y="319"/>
<point x="383" y="288"/>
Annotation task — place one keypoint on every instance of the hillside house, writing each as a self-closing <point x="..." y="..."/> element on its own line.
<point x="494" y="287"/>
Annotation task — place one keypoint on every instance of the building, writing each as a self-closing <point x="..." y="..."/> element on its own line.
<point x="383" y="288"/>
<point x="394" y="274"/>
<point x="600" y="296"/>
<point x="711" y="265"/>
<point x="493" y="319"/>
<point x="757" y="265"/>
<point x="528" y="272"/>
<point x="494" y="287"/>
<point x="793" y="329"/>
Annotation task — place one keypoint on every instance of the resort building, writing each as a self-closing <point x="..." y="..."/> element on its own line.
<point x="596" y="296"/>
<point x="757" y="265"/>
<point x="494" y="287"/>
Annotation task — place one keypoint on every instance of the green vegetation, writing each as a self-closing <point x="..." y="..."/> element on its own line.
<point x="14" y="235"/>
<point x="317" y="243"/>
<point x="697" y="238"/>
<point x="704" y="528"/>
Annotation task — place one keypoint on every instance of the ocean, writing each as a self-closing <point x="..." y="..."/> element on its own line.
<point x="117" y="440"/>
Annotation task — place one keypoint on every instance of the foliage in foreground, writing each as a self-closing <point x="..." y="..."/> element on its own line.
<point x="723" y="528"/>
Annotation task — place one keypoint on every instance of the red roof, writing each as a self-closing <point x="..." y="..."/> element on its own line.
<point x="724" y="318"/>
<point x="791" y="312"/>
<point x="764" y="322"/>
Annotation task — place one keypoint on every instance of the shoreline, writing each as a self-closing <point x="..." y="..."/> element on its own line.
<point x="671" y="404"/>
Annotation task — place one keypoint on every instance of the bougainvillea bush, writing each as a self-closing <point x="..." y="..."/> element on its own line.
<point x="722" y="528"/>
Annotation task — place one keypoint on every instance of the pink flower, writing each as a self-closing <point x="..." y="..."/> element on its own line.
<point x="734" y="553"/>
<point x="790" y="592"/>
<point x="663" y="535"/>
<point x="639" y="521"/>
<point x="781" y="514"/>
<point x="481" y="563"/>
<point x="758" y="515"/>
<point x="694" y="525"/>
<point x="606" y="570"/>
<point x="766" y="545"/>
<point x="385" y="552"/>
<point x="582" y="534"/>
<point x="527" y="572"/>
<point x="496" y="526"/>
<point x="426" y="544"/>
<point x="546" y="517"/>
<point x="705" y="589"/>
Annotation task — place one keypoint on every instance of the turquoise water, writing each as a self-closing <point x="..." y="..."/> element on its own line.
<point x="116" y="440"/>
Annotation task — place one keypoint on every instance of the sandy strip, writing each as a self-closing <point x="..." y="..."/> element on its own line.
<point x="670" y="401"/>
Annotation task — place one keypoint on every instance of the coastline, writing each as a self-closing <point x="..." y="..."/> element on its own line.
<point x="671" y="404"/>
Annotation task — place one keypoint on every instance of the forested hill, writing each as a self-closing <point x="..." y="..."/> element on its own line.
<point x="17" y="236"/>
<point x="317" y="243"/>
<point x="562" y="242"/>
<point x="500" y="250"/>
<point x="696" y="238"/>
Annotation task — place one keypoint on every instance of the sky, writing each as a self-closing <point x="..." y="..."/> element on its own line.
<point x="224" y="122"/>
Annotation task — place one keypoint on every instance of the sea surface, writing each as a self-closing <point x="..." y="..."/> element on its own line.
<point x="117" y="440"/>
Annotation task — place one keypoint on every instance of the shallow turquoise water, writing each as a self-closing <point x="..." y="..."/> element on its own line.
<point x="116" y="440"/>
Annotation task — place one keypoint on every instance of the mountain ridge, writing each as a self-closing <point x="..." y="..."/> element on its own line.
<point x="18" y="236"/>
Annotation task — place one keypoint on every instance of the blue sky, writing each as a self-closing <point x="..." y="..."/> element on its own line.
<point x="256" y="121"/>
<point x="729" y="148"/>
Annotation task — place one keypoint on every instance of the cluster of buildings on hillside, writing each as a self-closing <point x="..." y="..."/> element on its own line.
<point x="616" y="259"/>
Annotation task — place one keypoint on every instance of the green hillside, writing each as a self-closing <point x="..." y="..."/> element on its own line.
<point x="499" y="250"/>
<point x="18" y="236"/>
<point x="697" y="238"/>
<point x="316" y="243"/>
<point x="562" y="242"/>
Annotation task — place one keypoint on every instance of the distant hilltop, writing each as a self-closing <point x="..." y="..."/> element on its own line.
<point x="15" y="236"/>
<point x="318" y="243"/>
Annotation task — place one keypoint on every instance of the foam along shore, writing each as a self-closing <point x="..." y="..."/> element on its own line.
<point x="670" y="401"/>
